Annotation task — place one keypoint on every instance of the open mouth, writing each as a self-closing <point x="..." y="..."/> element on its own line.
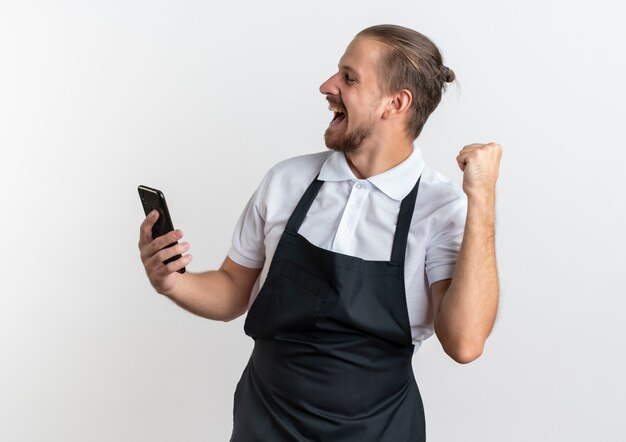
<point x="339" y="114"/>
<point x="338" y="118"/>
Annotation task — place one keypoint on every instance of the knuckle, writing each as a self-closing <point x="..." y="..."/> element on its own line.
<point x="173" y="266"/>
<point x="146" y="234"/>
<point x="146" y="257"/>
<point x="161" y="255"/>
<point x="149" y="265"/>
<point x="152" y="248"/>
<point x="157" y="245"/>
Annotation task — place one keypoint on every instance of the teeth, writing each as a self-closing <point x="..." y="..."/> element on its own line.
<point x="333" y="108"/>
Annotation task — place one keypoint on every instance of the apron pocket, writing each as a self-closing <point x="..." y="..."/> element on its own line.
<point x="291" y="305"/>
<point x="305" y="279"/>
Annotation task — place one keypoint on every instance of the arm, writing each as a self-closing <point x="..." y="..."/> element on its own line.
<point x="218" y="294"/>
<point x="465" y="306"/>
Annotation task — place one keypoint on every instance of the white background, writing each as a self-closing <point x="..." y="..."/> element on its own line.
<point x="199" y="99"/>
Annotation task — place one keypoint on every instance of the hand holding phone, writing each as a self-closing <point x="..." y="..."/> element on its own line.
<point x="158" y="241"/>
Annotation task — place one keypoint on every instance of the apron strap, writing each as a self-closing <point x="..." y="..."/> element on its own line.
<point x="403" y="225"/>
<point x="297" y="217"/>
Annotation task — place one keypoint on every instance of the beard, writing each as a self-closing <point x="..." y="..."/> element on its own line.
<point x="344" y="141"/>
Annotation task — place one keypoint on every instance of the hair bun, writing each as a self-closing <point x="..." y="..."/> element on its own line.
<point x="448" y="74"/>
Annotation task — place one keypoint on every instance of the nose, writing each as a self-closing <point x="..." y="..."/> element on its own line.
<point x="329" y="87"/>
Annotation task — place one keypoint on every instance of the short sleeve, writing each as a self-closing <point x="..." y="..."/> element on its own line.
<point x="443" y="250"/>
<point x="248" y="239"/>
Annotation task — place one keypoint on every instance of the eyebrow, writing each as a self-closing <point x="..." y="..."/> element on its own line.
<point x="348" y="68"/>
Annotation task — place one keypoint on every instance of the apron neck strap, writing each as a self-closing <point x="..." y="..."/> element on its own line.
<point x="403" y="225"/>
<point x="297" y="217"/>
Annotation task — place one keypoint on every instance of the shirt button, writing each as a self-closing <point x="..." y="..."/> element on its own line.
<point x="359" y="186"/>
<point x="345" y="230"/>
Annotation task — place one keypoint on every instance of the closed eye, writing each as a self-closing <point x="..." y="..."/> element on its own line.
<point x="348" y="79"/>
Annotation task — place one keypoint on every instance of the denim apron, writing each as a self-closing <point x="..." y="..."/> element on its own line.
<point x="332" y="345"/>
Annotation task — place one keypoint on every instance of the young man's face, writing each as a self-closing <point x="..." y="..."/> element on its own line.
<point x="355" y="96"/>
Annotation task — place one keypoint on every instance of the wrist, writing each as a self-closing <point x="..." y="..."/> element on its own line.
<point x="482" y="198"/>
<point x="481" y="207"/>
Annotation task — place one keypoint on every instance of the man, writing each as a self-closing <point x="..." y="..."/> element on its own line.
<point x="358" y="254"/>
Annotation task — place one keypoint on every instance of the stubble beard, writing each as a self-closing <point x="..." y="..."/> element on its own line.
<point x="348" y="142"/>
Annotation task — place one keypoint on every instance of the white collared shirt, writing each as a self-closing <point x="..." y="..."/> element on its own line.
<point x="358" y="217"/>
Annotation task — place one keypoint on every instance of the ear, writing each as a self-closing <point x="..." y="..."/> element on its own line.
<point x="399" y="104"/>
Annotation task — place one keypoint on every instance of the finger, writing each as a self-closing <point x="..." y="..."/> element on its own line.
<point x="155" y="259"/>
<point x="167" y="253"/>
<point x="168" y="238"/>
<point x="145" y="230"/>
<point x="175" y="266"/>
<point x="163" y="270"/>
<point x="152" y="248"/>
<point x="461" y="164"/>
<point x="462" y="158"/>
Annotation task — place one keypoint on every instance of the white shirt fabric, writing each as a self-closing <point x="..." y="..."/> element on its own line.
<point x="358" y="217"/>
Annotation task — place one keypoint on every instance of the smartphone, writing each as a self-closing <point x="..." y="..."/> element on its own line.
<point x="152" y="199"/>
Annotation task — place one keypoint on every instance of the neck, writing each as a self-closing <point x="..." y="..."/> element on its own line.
<point x="370" y="159"/>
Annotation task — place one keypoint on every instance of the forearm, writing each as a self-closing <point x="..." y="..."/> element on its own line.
<point x="468" y="308"/>
<point x="211" y="294"/>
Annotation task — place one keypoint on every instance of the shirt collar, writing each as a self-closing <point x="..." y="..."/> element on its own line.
<point x="396" y="182"/>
